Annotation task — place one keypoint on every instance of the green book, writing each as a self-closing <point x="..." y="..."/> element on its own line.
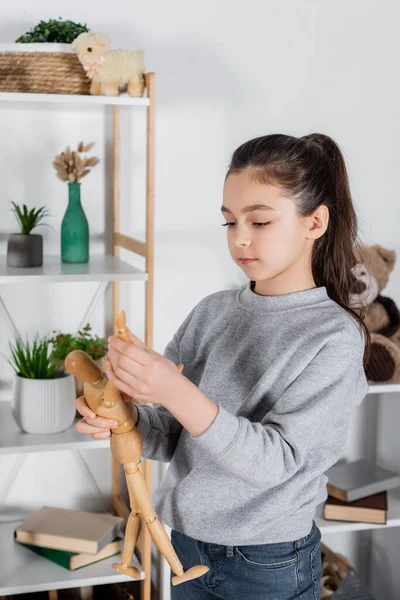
<point x="76" y="560"/>
<point x="68" y="529"/>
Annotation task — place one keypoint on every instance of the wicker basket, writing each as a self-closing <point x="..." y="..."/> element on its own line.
<point x="42" y="69"/>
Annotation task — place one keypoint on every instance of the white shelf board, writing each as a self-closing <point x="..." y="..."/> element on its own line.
<point x="384" y="388"/>
<point x="24" y="571"/>
<point x="393" y="518"/>
<point x="99" y="268"/>
<point x="123" y="99"/>
<point x="14" y="441"/>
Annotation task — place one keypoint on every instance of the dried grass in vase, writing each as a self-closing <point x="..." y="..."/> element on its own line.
<point x="71" y="166"/>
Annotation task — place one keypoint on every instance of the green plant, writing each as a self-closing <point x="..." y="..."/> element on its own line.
<point x="63" y="343"/>
<point x="53" y="30"/>
<point x="33" y="360"/>
<point x="28" y="219"/>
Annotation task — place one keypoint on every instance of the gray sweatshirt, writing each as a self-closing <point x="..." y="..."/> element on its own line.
<point x="286" y="372"/>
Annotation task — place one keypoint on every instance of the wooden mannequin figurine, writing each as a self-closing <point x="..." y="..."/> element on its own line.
<point x="105" y="400"/>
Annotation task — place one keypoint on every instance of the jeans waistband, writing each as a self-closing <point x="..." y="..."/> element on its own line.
<point x="229" y="550"/>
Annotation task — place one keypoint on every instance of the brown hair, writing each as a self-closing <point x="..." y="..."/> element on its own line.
<point x="312" y="169"/>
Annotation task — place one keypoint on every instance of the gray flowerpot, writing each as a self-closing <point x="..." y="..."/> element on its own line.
<point x="25" y="250"/>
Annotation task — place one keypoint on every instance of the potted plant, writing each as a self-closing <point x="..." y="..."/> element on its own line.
<point x="71" y="167"/>
<point x="25" y="249"/>
<point x="42" y="60"/>
<point x="53" y="30"/>
<point x="43" y="398"/>
<point x="84" y="339"/>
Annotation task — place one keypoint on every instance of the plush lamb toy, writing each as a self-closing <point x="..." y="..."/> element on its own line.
<point x="111" y="71"/>
<point x="382" y="317"/>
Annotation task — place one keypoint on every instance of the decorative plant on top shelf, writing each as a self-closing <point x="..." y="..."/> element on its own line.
<point x="71" y="167"/>
<point x="93" y="345"/>
<point x="43" y="61"/>
<point x="53" y="30"/>
<point x="25" y="249"/>
<point x="43" y="395"/>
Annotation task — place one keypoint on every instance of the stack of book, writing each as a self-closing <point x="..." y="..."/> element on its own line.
<point x="70" y="538"/>
<point x="357" y="491"/>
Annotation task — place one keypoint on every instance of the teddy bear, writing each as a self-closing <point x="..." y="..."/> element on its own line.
<point x="111" y="71"/>
<point x="335" y="569"/>
<point x="381" y="314"/>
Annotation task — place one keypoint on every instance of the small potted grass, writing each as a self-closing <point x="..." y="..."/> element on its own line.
<point x="25" y="249"/>
<point x="43" y="398"/>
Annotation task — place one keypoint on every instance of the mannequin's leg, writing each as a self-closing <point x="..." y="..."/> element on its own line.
<point x="136" y="482"/>
<point x="131" y="535"/>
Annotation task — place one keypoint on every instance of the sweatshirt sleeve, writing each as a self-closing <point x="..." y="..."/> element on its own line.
<point x="310" y="414"/>
<point x="159" y="428"/>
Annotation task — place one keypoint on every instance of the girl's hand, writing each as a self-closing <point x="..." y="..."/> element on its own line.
<point x="95" y="426"/>
<point x="141" y="373"/>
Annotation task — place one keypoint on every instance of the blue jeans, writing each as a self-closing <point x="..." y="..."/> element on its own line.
<point x="282" y="571"/>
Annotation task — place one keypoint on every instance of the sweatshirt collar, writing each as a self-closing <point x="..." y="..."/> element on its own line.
<point x="249" y="300"/>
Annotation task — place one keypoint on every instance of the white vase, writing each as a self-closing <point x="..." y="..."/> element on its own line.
<point x="43" y="405"/>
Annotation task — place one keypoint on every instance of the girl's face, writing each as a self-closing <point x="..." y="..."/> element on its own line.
<point x="264" y="225"/>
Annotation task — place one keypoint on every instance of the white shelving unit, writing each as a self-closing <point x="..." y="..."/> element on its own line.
<point x="393" y="520"/>
<point x="21" y="570"/>
<point x="100" y="268"/>
<point x="383" y="388"/>
<point x="122" y="100"/>
<point x="13" y="441"/>
<point x="393" y="517"/>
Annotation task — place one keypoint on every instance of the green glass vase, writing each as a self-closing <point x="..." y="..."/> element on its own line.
<point x="74" y="229"/>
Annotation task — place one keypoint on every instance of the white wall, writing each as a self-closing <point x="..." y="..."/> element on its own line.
<point x="226" y="71"/>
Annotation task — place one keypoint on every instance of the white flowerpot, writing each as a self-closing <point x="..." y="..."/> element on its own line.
<point x="43" y="405"/>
